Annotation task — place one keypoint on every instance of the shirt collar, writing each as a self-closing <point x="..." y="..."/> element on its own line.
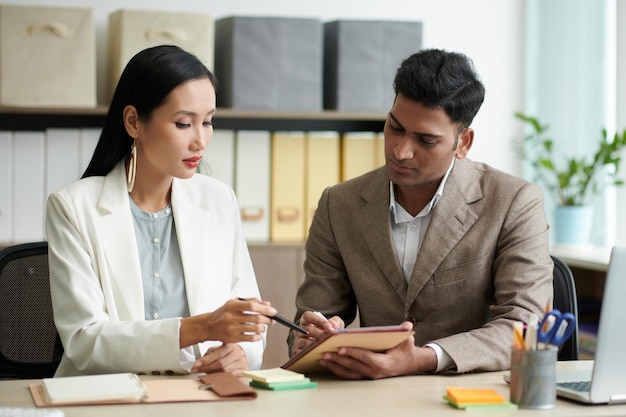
<point x="433" y="202"/>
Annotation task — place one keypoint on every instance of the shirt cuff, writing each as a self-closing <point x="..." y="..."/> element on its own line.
<point x="444" y="361"/>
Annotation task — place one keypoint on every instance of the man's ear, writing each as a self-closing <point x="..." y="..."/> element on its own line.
<point x="464" y="143"/>
<point x="131" y="121"/>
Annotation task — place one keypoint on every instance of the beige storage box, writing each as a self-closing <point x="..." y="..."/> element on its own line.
<point x="131" y="31"/>
<point x="47" y="57"/>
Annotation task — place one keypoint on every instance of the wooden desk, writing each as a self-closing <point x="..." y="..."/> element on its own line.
<point x="397" y="397"/>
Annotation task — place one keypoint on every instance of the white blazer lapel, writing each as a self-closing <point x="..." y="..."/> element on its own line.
<point x="192" y="223"/>
<point x="122" y="273"/>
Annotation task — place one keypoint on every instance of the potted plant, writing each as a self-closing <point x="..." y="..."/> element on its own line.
<point x="571" y="182"/>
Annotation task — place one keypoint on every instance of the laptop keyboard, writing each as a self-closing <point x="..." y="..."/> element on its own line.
<point x="579" y="386"/>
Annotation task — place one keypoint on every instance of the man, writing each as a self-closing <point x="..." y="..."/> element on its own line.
<point x="451" y="247"/>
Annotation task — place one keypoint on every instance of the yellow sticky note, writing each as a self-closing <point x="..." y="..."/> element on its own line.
<point x="474" y="395"/>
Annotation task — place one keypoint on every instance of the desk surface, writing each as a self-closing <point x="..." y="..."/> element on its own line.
<point x="404" y="396"/>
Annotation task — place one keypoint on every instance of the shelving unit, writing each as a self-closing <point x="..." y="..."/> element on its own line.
<point x="278" y="266"/>
<point x="29" y="118"/>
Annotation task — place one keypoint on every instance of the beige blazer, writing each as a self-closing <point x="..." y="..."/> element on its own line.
<point x="483" y="263"/>
<point x="95" y="276"/>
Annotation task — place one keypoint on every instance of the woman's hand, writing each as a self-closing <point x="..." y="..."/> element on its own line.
<point x="228" y="357"/>
<point x="237" y="320"/>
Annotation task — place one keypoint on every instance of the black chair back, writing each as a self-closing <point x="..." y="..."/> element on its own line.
<point x="29" y="343"/>
<point x="565" y="300"/>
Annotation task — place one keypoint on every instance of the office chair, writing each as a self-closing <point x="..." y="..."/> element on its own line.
<point x="565" y="301"/>
<point x="29" y="344"/>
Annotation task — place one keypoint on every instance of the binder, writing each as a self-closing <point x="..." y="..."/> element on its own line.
<point x="220" y="156"/>
<point x="28" y="186"/>
<point x="88" y="140"/>
<point x="322" y="169"/>
<point x="287" y="187"/>
<point x="62" y="158"/>
<point x="252" y="182"/>
<point x="358" y="154"/>
<point x="6" y="186"/>
<point x="379" y="150"/>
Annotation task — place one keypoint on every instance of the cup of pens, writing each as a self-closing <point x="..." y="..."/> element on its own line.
<point x="533" y="378"/>
<point x="534" y="356"/>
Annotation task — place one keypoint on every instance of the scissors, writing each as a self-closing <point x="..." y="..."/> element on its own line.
<point x="555" y="328"/>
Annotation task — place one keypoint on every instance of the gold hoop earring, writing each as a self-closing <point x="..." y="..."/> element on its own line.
<point x="132" y="168"/>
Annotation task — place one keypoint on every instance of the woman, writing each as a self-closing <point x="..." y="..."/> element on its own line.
<point x="149" y="271"/>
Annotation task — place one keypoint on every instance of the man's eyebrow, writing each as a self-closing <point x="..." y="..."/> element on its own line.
<point x="431" y="135"/>
<point x="395" y="120"/>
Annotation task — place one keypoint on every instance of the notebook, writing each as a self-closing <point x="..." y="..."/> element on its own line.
<point x="87" y="388"/>
<point x="605" y="383"/>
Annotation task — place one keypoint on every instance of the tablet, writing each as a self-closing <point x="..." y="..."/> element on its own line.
<point x="375" y="338"/>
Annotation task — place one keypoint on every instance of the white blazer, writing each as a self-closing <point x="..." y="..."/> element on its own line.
<point x="95" y="277"/>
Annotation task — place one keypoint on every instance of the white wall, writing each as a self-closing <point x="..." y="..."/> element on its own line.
<point x="491" y="32"/>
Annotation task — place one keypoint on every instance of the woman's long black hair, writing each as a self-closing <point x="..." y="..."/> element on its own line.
<point x="145" y="83"/>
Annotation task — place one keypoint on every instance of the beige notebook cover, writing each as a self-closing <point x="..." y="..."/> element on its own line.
<point x="377" y="338"/>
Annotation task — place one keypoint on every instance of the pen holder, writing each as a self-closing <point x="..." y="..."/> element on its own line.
<point x="533" y="378"/>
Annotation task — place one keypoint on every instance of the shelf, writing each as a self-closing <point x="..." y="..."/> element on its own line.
<point x="29" y="118"/>
<point x="587" y="257"/>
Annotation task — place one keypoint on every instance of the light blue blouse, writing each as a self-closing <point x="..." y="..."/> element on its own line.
<point x="161" y="265"/>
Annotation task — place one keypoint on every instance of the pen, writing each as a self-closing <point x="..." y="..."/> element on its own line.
<point x="282" y="320"/>
<point x="289" y="323"/>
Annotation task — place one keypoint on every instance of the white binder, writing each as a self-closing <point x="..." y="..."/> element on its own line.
<point x="252" y="183"/>
<point x="88" y="140"/>
<point x="62" y="158"/>
<point x="28" y="186"/>
<point x="6" y="187"/>
<point x="220" y="156"/>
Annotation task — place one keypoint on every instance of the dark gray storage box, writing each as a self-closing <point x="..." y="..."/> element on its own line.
<point x="360" y="62"/>
<point x="269" y="63"/>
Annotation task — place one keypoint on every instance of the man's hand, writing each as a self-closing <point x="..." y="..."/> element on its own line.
<point x="316" y="324"/>
<point x="404" y="359"/>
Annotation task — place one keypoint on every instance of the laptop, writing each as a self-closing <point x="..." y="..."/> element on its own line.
<point x="606" y="382"/>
